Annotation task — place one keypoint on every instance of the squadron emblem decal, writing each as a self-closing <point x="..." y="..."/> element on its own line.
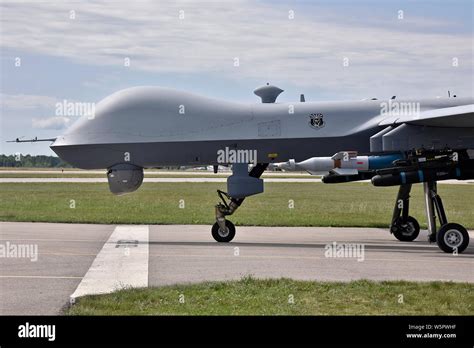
<point x="316" y="121"/>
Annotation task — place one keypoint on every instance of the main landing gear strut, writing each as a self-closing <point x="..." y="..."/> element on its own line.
<point x="450" y="237"/>
<point x="223" y="230"/>
<point x="403" y="226"/>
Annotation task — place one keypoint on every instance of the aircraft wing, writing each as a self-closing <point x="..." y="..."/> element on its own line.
<point x="34" y="140"/>
<point x="457" y="116"/>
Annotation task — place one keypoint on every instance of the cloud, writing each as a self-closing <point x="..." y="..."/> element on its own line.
<point x="26" y="101"/>
<point x="308" y="50"/>
<point x="55" y="122"/>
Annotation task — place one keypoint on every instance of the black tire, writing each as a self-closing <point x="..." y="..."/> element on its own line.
<point x="223" y="236"/>
<point x="452" y="237"/>
<point x="408" y="232"/>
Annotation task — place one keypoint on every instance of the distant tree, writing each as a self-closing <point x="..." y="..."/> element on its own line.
<point x="39" y="161"/>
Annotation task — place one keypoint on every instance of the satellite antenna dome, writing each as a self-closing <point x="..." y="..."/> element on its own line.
<point x="268" y="93"/>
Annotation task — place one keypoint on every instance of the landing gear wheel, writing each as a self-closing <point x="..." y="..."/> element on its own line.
<point x="223" y="236"/>
<point x="452" y="237"/>
<point x="406" y="232"/>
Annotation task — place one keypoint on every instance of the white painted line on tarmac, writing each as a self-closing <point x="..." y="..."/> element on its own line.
<point x="122" y="263"/>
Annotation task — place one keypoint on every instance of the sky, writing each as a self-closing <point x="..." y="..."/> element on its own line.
<point x="54" y="52"/>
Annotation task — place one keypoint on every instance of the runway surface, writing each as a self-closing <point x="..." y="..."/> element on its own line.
<point x="75" y="259"/>
<point x="104" y="179"/>
<point x="190" y="179"/>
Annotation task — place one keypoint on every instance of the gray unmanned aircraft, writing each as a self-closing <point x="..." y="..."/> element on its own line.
<point x="392" y="142"/>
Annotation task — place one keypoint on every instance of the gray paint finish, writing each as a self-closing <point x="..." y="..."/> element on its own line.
<point x="155" y="154"/>
<point x="159" y="126"/>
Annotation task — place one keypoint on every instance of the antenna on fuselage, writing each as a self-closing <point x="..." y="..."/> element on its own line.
<point x="268" y="93"/>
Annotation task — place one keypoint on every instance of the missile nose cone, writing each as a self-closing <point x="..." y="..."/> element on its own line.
<point x="290" y="165"/>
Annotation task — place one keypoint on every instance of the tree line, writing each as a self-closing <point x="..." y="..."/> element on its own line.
<point x="39" y="161"/>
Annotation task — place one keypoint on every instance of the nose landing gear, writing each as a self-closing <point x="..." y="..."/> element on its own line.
<point x="223" y="230"/>
<point x="223" y="235"/>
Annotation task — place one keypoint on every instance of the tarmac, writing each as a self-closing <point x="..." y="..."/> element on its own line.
<point x="186" y="179"/>
<point x="59" y="262"/>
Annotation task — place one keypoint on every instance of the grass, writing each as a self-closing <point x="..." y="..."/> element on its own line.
<point x="250" y="296"/>
<point x="147" y="175"/>
<point x="315" y="204"/>
<point x="103" y="176"/>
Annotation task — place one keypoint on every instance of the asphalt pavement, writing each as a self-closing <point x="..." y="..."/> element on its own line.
<point x="75" y="259"/>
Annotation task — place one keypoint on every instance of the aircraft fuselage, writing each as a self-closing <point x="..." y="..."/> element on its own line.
<point x="153" y="126"/>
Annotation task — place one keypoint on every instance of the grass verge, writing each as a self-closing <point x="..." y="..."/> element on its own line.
<point x="250" y="296"/>
<point x="314" y="204"/>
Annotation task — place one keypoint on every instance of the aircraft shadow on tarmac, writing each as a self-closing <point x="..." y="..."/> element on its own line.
<point x="402" y="248"/>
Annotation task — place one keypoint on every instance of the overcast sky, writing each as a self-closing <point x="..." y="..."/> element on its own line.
<point x="329" y="50"/>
